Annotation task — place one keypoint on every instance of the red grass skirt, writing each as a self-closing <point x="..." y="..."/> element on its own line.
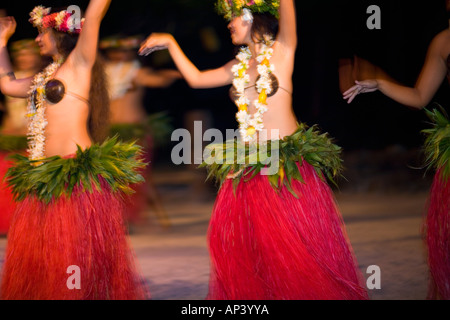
<point x="437" y="226"/>
<point x="7" y="204"/>
<point x="85" y="230"/>
<point x="266" y="245"/>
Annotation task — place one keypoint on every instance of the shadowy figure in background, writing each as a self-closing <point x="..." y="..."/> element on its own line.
<point x="127" y="80"/>
<point x="437" y="148"/>
<point x="26" y="63"/>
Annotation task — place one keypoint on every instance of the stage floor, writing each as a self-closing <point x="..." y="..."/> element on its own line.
<point x="384" y="229"/>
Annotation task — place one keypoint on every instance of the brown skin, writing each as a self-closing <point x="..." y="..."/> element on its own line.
<point x="129" y="107"/>
<point x="280" y="115"/>
<point x="67" y="120"/>
<point x="429" y="81"/>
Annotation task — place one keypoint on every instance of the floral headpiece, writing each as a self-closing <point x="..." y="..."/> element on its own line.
<point x="230" y="8"/>
<point x="60" y="21"/>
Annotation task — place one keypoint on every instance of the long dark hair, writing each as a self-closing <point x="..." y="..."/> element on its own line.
<point x="99" y="109"/>
<point x="263" y="23"/>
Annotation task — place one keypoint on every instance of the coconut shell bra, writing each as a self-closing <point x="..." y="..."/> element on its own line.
<point x="274" y="84"/>
<point x="55" y="91"/>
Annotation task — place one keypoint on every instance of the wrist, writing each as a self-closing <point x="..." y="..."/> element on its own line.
<point x="9" y="74"/>
<point x="171" y="42"/>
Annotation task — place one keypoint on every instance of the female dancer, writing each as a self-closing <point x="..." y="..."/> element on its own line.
<point x="276" y="236"/>
<point x="67" y="238"/>
<point x="437" y="147"/>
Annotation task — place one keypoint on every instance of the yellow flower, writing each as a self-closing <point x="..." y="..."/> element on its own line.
<point x="262" y="97"/>
<point x="239" y="4"/>
<point x="251" y="131"/>
<point x="259" y="2"/>
<point x="40" y="90"/>
<point x="243" y="107"/>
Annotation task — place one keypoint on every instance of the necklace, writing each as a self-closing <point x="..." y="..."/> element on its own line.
<point x="249" y="125"/>
<point x="36" y="112"/>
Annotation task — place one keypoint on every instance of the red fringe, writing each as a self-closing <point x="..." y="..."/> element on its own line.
<point x="266" y="245"/>
<point x="437" y="233"/>
<point x="7" y="204"/>
<point x="85" y="230"/>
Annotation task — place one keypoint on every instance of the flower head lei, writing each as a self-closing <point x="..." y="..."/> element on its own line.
<point x="36" y="113"/>
<point x="230" y="8"/>
<point x="249" y="125"/>
<point x="61" y="21"/>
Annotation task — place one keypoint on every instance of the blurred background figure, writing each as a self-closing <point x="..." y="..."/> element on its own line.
<point x="128" y="80"/>
<point x="26" y="63"/>
<point x="422" y="94"/>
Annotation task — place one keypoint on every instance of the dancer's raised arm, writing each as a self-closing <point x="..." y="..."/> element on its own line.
<point x="287" y="34"/>
<point x="85" y="52"/>
<point x="193" y="76"/>
<point x="9" y="85"/>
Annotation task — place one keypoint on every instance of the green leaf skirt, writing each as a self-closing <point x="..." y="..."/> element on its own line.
<point x="277" y="159"/>
<point x="437" y="142"/>
<point x="118" y="163"/>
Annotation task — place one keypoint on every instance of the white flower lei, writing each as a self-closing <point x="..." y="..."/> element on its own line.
<point x="36" y="112"/>
<point x="250" y="124"/>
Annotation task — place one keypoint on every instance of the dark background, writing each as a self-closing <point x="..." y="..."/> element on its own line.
<point x="327" y="31"/>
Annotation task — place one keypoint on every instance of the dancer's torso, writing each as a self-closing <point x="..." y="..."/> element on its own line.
<point x="68" y="119"/>
<point x="280" y="114"/>
<point x="126" y="96"/>
<point x="128" y="108"/>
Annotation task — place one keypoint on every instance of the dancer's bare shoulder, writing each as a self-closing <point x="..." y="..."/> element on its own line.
<point x="441" y="43"/>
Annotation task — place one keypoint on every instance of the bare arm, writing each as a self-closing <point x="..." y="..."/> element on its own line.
<point x="430" y="78"/>
<point x="287" y="34"/>
<point x="194" y="77"/>
<point x="9" y="85"/>
<point x="85" y="52"/>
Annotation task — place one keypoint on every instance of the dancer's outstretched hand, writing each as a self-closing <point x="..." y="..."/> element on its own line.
<point x="155" y="42"/>
<point x="7" y="29"/>
<point x="360" y="87"/>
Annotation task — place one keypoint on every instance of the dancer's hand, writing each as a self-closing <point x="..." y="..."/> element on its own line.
<point x="155" y="42"/>
<point x="360" y="87"/>
<point x="7" y="29"/>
